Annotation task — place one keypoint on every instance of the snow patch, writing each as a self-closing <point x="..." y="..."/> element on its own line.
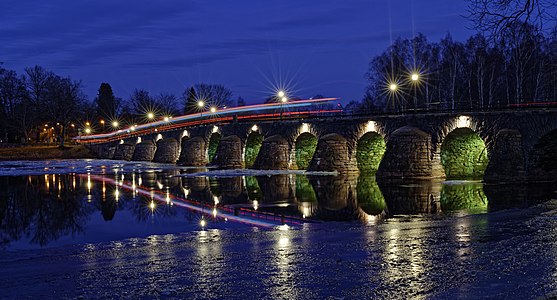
<point x="80" y="166"/>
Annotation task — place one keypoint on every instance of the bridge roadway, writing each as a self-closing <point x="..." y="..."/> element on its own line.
<point x="521" y="144"/>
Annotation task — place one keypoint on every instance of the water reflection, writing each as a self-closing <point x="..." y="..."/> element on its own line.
<point x="38" y="210"/>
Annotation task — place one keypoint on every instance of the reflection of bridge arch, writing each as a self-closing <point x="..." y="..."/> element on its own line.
<point x="241" y="215"/>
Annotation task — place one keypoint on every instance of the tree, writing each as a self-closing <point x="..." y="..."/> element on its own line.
<point x="190" y="101"/>
<point x="240" y="102"/>
<point x="141" y="103"/>
<point x="16" y="113"/>
<point x="62" y="103"/>
<point x="106" y="104"/>
<point x="166" y="104"/>
<point x="210" y="94"/>
<point x="494" y="17"/>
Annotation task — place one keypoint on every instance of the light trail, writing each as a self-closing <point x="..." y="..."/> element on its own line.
<point x="201" y="116"/>
<point x="245" y="216"/>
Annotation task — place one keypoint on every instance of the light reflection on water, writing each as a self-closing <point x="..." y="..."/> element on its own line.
<point x="49" y="210"/>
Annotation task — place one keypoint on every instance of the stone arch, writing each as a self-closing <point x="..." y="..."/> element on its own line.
<point x="167" y="151"/>
<point x="253" y="144"/>
<point x="370" y="149"/>
<point x="304" y="148"/>
<point x="212" y="145"/>
<point x="464" y="154"/>
<point x="542" y="159"/>
<point x="409" y="155"/>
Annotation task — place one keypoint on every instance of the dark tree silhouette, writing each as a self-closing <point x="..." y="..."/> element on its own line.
<point x="495" y="17"/>
<point x="106" y="104"/>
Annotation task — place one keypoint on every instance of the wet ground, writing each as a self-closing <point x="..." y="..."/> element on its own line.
<point x="64" y="240"/>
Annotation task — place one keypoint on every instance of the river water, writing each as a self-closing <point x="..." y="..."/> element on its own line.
<point x="84" y="228"/>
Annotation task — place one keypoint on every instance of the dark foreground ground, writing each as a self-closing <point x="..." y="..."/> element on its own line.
<point x="509" y="254"/>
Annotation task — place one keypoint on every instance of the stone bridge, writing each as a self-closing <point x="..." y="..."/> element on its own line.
<point x="498" y="146"/>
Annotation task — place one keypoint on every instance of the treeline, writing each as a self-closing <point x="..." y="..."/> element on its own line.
<point x="43" y="107"/>
<point x="33" y="102"/>
<point x="479" y="73"/>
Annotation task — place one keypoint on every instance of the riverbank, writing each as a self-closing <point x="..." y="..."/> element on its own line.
<point x="45" y="152"/>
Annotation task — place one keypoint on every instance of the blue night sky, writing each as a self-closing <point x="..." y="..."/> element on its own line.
<point x="313" y="46"/>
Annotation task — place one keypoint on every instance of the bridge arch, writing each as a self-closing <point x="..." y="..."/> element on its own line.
<point x="542" y="160"/>
<point x="213" y="144"/>
<point x="253" y="144"/>
<point x="464" y="154"/>
<point x="193" y="152"/>
<point x="370" y="149"/>
<point x="305" y="146"/>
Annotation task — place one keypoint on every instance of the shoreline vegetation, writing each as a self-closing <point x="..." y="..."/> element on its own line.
<point x="44" y="152"/>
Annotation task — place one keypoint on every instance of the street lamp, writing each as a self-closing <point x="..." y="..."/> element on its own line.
<point x="150" y="116"/>
<point x="213" y="109"/>
<point x="115" y="124"/>
<point x="87" y="130"/>
<point x="393" y="87"/>
<point x="281" y="94"/>
<point x="283" y="99"/>
<point x="166" y="119"/>
<point x="415" y="76"/>
<point x="200" y="104"/>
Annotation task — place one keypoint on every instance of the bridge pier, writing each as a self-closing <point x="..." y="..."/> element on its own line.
<point x="506" y="163"/>
<point x="409" y="155"/>
<point x="273" y="154"/>
<point x="167" y="151"/>
<point x="144" y="151"/>
<point x="193" y="152"/>
<point x="124" y="151"/>
<point x="229" y="153"/>
<point x="332" y="155"/>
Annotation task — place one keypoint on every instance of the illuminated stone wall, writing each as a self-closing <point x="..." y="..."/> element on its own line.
<point x="464" y="155"/>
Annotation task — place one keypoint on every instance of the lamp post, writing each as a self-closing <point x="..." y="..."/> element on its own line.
<point x="200" y="106"/>
<point x="283" y="100"/>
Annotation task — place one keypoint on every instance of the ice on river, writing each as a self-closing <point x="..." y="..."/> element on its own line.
<point x="78" y="166"/>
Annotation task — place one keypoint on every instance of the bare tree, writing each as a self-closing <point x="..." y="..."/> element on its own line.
<point x="62" y="103"/>
<point x="495" y="16"/>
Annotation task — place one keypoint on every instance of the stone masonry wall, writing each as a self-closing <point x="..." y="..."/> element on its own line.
<point x="273" y="155"/>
